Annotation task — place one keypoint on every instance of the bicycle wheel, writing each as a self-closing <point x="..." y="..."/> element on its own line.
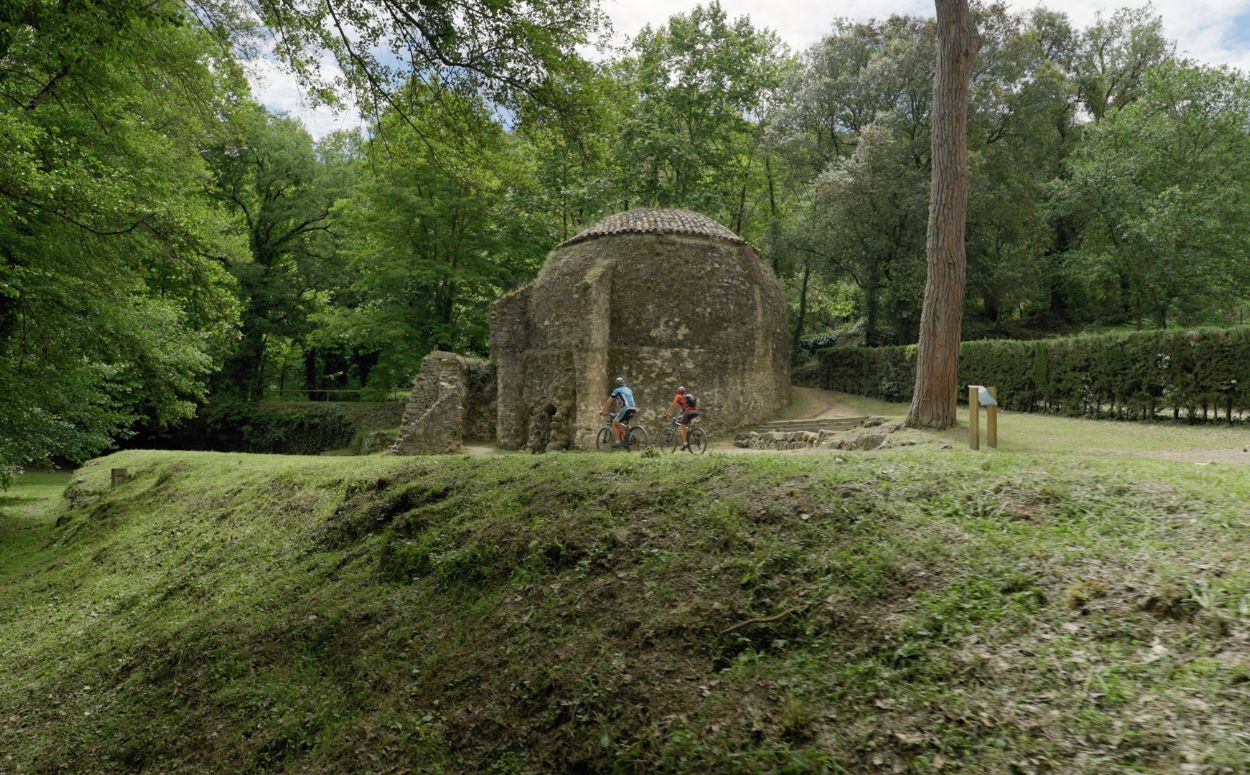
<point x="669" y="439"/>
<point x="636" y="438"/>
<point x="605" y="439"/>
<point x="697" y="440"/>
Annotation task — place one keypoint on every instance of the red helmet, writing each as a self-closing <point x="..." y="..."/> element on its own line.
<point x="681" y="389"/>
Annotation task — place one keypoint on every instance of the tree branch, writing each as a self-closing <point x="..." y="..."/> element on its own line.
<point x="69" y="218"/>
<point x="47" y="90"/>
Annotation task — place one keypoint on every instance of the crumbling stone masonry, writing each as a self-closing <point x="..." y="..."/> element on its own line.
<point x="452" y="401"/>
<point x="868" y="436"/>
<point x="661" y="297"/>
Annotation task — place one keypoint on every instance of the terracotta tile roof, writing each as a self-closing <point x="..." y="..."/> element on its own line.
<point x="656" y="220"/>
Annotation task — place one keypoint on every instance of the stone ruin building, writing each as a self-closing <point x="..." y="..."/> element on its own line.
<point x="661" y="297"/>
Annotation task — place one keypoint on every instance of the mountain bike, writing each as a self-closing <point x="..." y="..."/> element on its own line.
<point x="696" y="439"/>
<point x="635" y="436"/>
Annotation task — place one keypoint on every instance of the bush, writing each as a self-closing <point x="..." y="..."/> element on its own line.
<point x="374" y="442"/>
<point x="1203" y="373"/>
<point x="237" y="426"/>
<point x="809" y="345"/>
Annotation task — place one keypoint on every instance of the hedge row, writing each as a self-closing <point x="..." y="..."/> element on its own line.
<point x="1196" y="374"/>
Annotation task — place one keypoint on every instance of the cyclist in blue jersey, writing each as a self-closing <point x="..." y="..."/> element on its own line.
<point x="623" y="397"/>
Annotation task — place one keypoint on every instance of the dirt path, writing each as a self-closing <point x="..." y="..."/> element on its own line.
<point x="805" y="404"/>
<point x="815" y="404"/>
<point x="1235" y="456"/>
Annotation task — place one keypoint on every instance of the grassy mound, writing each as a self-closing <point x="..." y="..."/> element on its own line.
<point x="955" y="612"/>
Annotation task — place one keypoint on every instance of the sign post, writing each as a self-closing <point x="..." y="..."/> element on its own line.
<point x="991" y="419"/>
<point x="974" y="417"/>
<point x="979" y="396"/>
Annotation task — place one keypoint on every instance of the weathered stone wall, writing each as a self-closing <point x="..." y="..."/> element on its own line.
<point x="480" y="401"/>
<point x="660" y="310"/>
<point x="509" y="335"/>
<point x="433" y="422"/>
<point x="453" y="400"/>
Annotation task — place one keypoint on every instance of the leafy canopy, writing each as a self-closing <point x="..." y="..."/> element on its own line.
<point x="115" y="300"/>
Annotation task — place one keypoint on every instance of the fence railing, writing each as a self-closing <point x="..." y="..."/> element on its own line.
<point x="336" y="394"/>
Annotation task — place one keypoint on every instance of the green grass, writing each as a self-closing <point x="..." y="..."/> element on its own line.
<point x="30" y="493"/>
<point x="25" y="509"/>
<point x="874" y="406"/>
<point x="1041" y="433"/>
<point x="905" y="611"/>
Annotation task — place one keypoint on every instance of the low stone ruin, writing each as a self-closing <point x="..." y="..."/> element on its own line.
<point x="452" y="401"/>
<point x="869" y="436"/>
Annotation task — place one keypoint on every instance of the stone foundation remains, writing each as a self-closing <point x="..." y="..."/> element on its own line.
<point x="869" y="436"/>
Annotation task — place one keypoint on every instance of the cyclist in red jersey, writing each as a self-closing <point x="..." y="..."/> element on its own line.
<point x="687" y="404"/>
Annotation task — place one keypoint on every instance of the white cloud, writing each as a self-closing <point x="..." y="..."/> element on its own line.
<point x="1203" y="29"/>
<point x="800" y="23"/>
<point x="279" y="90"/>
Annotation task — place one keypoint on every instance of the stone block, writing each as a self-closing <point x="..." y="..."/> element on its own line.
<point x="434" y="418"/>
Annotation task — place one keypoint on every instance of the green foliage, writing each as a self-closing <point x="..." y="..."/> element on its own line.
<point x="115" y="300"/>
<point x="692" y="136"/>
<point x="229" y="425"/>
<point x="281" y="187"/>
<point x="866" y="221"/>
<point x="433" y="236"/>
<point x="162" y="237"/>
<point x="1112" y="56"/>
<point x="296" y="432"/>
<point x="1200" y="373"/>
<point x="574" y="154"/>
<point x="1164" y="183"/>
<point x="853" y="132"/>
<point x="508" y="51"/>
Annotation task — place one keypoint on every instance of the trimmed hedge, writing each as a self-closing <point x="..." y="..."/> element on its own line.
<point x="1197" y="373"/>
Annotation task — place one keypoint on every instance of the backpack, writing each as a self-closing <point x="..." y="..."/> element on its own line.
<point x="691" y="401"/>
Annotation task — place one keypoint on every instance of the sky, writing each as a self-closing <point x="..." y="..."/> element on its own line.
<point x="1211" y="31"/>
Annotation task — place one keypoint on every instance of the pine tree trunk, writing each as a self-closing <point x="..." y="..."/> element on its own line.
<point x="937" y="356"/>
